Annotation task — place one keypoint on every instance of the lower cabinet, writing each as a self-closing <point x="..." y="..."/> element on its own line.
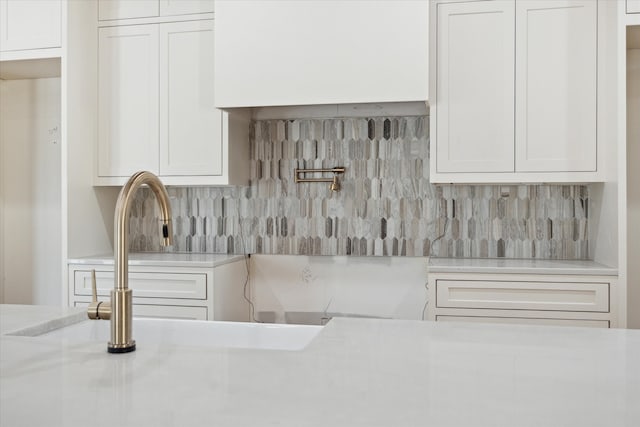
<point x="200" y="293"/>
<point x="569" y="300"/>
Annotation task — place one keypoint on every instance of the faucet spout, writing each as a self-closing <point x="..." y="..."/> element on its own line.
<point x="121" y="295"/>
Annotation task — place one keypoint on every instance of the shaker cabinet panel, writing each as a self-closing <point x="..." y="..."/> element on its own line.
<point x="556" y="67"/>
<point x="516" y="91"/>
<point x="127" y="100"/>
<point x="190" y="125"/>
<point x="526" y="321"/>
<point x="30" y="24"/>
<point x="125" y="9"/>
<point x="523" y="295"/>
<point x="475" y="87"/>
<point x="157" y="110"/>
<point x="550" y="299"/>
<point x="147" y="284"/>
<point x="633" y="6"/>
<point x="184" y="7"/>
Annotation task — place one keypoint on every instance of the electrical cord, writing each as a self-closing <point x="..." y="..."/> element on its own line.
<point x="426" y="284"/>
<point x="247" y="266"/>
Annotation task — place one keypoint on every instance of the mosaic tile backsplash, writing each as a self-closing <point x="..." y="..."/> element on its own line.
<point x="386" y="206"/>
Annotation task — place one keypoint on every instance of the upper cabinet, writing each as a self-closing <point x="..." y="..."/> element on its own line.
<point x="29" y="25"/>
<point x="514" y="95"/>
<point x="156" y="107"/>
<point x="475" y="87"/>
<point x="272" y="52"/>
<point x="128" y="9"/>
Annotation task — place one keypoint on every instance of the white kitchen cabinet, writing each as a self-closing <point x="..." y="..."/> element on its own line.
<point x="559" y="299"/>
<point x="526" y="321"/>
<point x="128" y="100"/>
<point x="30" y="24"/>
<point x="633" y="6"/>
<point x="185" y="7"/>
<point x="556" y="52"/>
<point x="515" y="91"/>
<point x="271" y="52"/>
<point x="171" y="291"/>
<point x="475" y="88"/>
<point x="128" y="9"/>
<point x="190" y="125"/>
<point x="156" y="108"/>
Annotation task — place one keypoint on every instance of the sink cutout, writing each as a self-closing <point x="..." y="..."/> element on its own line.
<point x="196" y="333"/>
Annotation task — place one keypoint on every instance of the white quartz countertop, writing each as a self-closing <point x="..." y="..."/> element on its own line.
<point x="356" y="372"/>
<point x="29" y="318"/>
<point x="166" y="259"/>
<point x="524" y="266"/>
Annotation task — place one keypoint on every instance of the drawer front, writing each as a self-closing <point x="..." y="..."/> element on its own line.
<point x="163" y="311"/>
<point x="146" y="285"/>
<point x="526" y="321"/>
<point x="513" y="295"/>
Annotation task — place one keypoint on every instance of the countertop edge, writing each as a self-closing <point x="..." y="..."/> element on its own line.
<point x="523" y="266"/>
<point x="170" y="260"/>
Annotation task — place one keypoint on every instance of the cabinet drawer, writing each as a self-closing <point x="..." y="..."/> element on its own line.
<point x="513" y="295"/>
<point x="527" y="321"/>
<point x="163" y="311"/>
<point x="144" y="284"/>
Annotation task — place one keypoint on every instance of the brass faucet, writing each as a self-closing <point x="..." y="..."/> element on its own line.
<point x="119" y="310"/>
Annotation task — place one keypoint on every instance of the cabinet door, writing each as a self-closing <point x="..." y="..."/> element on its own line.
<point x="475" y="87"/>
<point x="556" y="85"/>
<point x="124" y="9"/>
<point x="633" y="6"/>
<point x="526" y="321"/>
<point x="30" y="24"/>
<point x="184" y="7"/>
<point x="127" y="100"/>
<point x="191" y="127"/>
<point x="523" y="295"/>
<point x="169" y="312"/>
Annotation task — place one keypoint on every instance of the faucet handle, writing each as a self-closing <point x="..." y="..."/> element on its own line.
<point x="97" y="309"/>
<point x="94" y="288"/>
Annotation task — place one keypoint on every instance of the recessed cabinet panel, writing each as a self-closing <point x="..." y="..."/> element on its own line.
<point x="475" y="90"/>
<point x="127" y="100"/>
<point x="162" y="311"/>
<point x="526" y="321"/>
<point x="184" y="7"/>
<point x="146" y="285"/>
<point x="190" y="125"/>
<point x="593" y="297"/>
<point x="555" y="96"/>
<point x="633" y="6"/>
<point x="30" y="24"/>
<point x="125" y="9"/>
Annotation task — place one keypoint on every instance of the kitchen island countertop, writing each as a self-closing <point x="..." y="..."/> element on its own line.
<point x="356" y="372"/>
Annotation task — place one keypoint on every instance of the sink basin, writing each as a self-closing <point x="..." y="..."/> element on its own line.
<point x="196" y="332"/>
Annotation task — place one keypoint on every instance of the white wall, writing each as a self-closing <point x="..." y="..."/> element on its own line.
<point x="89" y="209"/>
<point x="31" y="184"/>
<point x="389" y="287"/>
<point x="633" y="188"/>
